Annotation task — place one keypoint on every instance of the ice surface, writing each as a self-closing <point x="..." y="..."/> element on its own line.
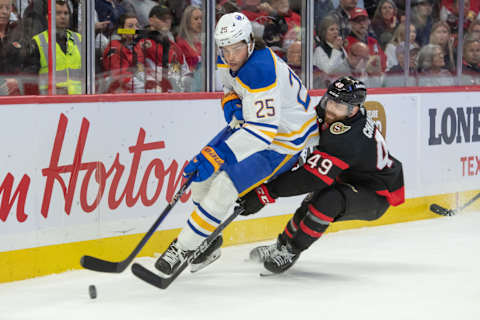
<point x="427" y="269"/>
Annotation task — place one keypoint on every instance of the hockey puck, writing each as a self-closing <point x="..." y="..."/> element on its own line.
<point x="92" y="291"/>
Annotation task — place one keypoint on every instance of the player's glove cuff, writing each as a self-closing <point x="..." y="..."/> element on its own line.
<point x="263" y="195"/>
<point x="208" y="161"/>
<point x="255" y="200"/>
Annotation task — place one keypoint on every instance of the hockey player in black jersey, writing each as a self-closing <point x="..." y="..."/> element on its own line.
<point x="350" y="175"/>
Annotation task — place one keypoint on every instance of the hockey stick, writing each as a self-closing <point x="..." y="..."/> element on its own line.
<point x="451" y="212"/>
<point x="163" y="283"/>
<point x="96" y="264"/>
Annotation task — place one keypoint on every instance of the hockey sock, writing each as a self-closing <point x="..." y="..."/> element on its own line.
<point x="311" y="228"/>
<point x="292" y="225"/>
<point x="209" y="213"/>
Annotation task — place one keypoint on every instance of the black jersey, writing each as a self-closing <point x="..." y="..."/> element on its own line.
<point x="351" y="151"/>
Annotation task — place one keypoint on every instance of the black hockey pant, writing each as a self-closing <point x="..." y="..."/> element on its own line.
<point x="340" y="202"/>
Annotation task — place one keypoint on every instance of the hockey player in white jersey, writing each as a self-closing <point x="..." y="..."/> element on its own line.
<point x="275" y="119"/>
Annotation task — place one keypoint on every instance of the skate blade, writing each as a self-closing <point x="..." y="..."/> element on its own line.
<point x="211" y="259"/>
<point x="268" y="274"/>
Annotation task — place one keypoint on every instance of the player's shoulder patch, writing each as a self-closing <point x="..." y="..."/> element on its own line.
<point x="259" y="72"/>
<point x="339" y="128"/>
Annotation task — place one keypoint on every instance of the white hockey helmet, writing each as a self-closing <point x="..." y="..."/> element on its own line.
<point x="233" y="28"/>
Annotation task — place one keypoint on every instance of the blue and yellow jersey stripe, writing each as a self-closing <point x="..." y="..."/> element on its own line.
<point x="264" y="132"/>
<point x="296" y="140"/>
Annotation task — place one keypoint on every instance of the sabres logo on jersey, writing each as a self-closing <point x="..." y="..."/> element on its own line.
<point x="339" y="128"/>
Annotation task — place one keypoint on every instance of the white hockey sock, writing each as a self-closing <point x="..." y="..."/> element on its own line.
<point x="209" y="214"/>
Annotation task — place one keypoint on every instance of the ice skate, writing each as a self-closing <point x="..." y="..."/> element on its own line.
<point x="209" y="256"/>
<point x="261" y="253"/>
<point x="282" y="258"/>
<point x="171" y="259"/>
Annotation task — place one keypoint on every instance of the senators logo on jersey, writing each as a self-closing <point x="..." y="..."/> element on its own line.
<point x="339" y="128"/>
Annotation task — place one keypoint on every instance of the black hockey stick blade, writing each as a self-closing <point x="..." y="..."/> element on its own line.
<point x="435" y="208"/>
<point x="163" y="283"/>
<point x="154" y="279"/>
<point x="97" y="264"/>
<point x="451" y="212"/>
<point x="100" y="265"/>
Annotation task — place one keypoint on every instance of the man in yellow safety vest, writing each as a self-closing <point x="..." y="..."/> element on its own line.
<point x="68" y="75"/>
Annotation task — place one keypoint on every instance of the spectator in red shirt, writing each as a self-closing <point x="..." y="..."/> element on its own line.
<point x="360" y="24"/>
<point x="119" y="61"/>
<point x="449" y="13"/>
<point x="253" y="10"/>
<point x="282" y="8"/>
<point x="189" y="36"/>
<point x="160" y="60"/>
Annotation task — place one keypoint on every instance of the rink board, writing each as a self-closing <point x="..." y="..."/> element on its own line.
<point x="92" y="176"/>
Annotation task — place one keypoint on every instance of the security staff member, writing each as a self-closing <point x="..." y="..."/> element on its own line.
<point x="68" y="57"/>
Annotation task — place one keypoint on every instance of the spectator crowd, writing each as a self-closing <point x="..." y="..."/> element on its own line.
<point x="151" y="46"/>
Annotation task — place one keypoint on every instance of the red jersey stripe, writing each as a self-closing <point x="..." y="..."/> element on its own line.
<point x="315" y="172"/>
<point x="395" y="198"/>
<point x="336" y="161"/>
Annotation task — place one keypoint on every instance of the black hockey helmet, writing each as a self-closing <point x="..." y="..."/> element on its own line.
<point x="346" y="90"/>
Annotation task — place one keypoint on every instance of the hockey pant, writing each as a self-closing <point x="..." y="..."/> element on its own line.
<point x="214" y="197"/>
<point x="340" y="202"/>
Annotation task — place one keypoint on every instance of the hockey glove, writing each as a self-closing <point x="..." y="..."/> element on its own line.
<point x="208" y="161"/>
<point x="255" y="200"/>
<point x="232" y="106"/>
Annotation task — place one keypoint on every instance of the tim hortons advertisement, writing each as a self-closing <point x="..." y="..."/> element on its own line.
<point x="84" y="171"/>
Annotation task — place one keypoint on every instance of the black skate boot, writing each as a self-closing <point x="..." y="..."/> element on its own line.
<point x="171" y="259"/>
<point x="261" y="253"/>
<point x="283" y="257"/>
<point x="209" y="256"/>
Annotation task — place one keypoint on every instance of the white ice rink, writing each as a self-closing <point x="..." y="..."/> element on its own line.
<point x="419" y="270"/>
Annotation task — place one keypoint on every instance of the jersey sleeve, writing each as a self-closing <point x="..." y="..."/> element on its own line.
<point x="313" y="172"/>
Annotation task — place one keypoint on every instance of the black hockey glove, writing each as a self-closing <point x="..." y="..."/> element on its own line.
<point x="255" y="200"/>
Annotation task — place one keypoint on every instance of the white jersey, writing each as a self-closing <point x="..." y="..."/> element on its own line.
<point x="278" y="111"/>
